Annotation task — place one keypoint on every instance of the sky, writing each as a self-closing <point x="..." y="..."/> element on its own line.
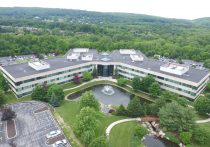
<point x="184" y="9"/>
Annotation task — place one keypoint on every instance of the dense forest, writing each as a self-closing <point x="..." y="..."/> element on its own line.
<point x="42" y="30"/>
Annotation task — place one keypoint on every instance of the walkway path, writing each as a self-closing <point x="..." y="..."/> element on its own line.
<point x="108" y="129"/>
<point x="98" y="79"/>
<point x="203" y="121"/>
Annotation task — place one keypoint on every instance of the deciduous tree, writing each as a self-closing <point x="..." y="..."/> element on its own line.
<point x="175" y="117"/>
<point x="88" y="100"/>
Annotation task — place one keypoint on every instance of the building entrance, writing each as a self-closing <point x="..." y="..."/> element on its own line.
<point x="105" y="70"/>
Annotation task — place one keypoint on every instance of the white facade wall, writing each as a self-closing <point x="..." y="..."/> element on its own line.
<point x="199" y="86"/>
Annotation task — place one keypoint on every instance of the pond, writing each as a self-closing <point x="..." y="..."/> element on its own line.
<point x="152" y="141"/>
<point x="107" y="94"/>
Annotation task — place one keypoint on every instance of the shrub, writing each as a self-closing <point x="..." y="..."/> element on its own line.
<point x="200" y="136"/>
<point x="8" y="114"/>
<point x="87" y="76"/>
<point x="121" y="111"/>
<point x="99" y="142"/>
<point x="122" y="81"/>
<point x="186" y="137"/>
<point x="172" y="137"/>
<point x="140" y="132"/>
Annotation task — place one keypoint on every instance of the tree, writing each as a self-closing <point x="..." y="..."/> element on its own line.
<point x="122" y="81"/>
<point x="87" y="76"/>
<point x="40" y="93"/>
<point x="94" y="73"/>
<point x="200" y="136"/>
<point x="8" y="114"/>
<point x="146" y="82"/>
<point x="154" y="89"/>
<point x="207" y="63"/>
<point x="140" y="132"/>
<point x="135" y="109"/>
<point x="2" y="98"/>
<point x="88" y="136"/>
<point x="3" y="83"/>
<point x="175" y="117"/>
<point x="88" y="100"/>
<point x="57" y="91"/>
<point x="208" y="87"/>
<point x="116" y="74"/>
<point x="186" y="137"/>
<point x="121" y="111"/>
<point x="99" y="142"/>
<point x="202" y="105"/>
<point x="54" y="101"/>
<point x="136" y="83"/>
<point x="77" y="79"/>
<point x="85" y="124"/>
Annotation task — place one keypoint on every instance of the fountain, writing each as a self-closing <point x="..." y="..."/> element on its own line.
<point x="108" y="90"/>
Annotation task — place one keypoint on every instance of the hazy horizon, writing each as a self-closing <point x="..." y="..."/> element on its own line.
<point x="163" y="8"/>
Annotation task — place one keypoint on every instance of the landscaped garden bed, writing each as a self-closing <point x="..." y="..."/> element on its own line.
<point x="11" y="128"/>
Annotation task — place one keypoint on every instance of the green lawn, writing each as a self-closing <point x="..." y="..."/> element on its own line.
<point x="205" y="126"/>
<point x="69" y="109"/>
<point x="122" y="135"/>
<point x="11" y="98"/>
<point x="69" y="85"/>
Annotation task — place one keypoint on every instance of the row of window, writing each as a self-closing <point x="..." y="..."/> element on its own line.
<point x="172" y="87"/>
<point x="159" y="77"/>
<point x="49" y="81"/>
<point x="51" y="75"/>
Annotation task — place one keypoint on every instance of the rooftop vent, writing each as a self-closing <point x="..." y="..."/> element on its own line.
<point x="73" y="56"/>
<point x="127" y="51"/>
<point x="87" y="57"/>
<point x="39" y="65"/>
<point x="136" y="58"/>
<point x="174" y="68"/>
<point x="104" y="54"/>
<point x="105" y="59"/>
<point x="81" y="50"/>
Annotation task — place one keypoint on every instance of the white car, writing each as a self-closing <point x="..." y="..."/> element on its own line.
<point x="53" y="134"/>
<point x="60" y="143"/>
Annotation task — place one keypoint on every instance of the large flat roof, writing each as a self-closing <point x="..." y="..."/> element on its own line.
<point x="22" y="70"/>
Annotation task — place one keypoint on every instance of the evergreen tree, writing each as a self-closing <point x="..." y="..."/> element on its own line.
<point x="3" y="83"/>
<point x="2" y="98"/>
<point x="154" y="89"/>
<point x="54" y="101"/>
<point x="94" y="73"/>
<point x="135" y="109"/>
<point x="136" y="83"/>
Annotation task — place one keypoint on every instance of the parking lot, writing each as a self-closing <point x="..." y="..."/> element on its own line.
<point x="31" y="126"/>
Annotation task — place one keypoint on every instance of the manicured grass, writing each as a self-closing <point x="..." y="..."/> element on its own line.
<point x="11" y="98"/>
<point x="122" y="135"/>
<point x="69" y="85"/>
<point x="70" y="109"/>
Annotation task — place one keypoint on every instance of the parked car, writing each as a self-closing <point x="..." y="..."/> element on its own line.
<point x="53" y="134"/>
<point x="60" y="143"/>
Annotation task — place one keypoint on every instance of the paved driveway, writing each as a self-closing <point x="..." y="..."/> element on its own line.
<point x="31" y="127"/>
